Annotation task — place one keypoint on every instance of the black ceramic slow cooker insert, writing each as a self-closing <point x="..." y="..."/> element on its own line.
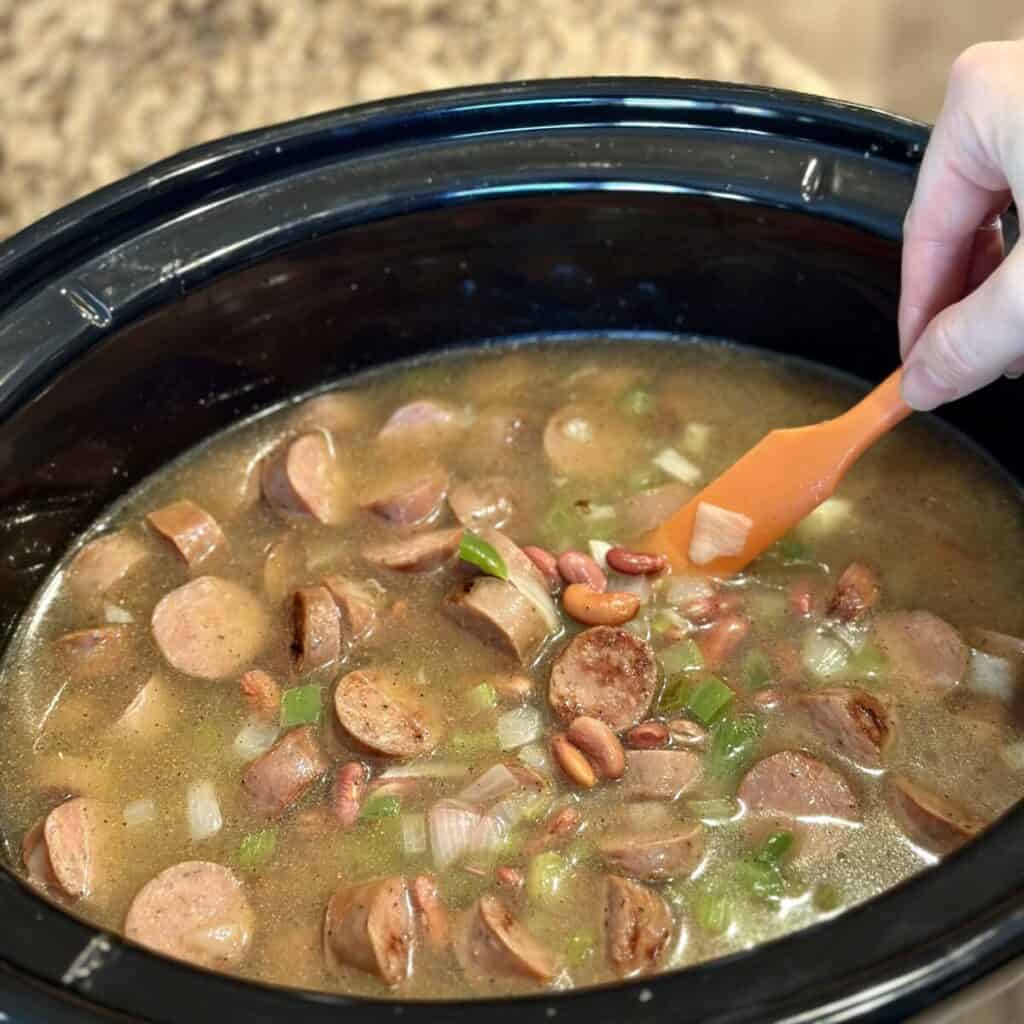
<point x="141" y="319"/>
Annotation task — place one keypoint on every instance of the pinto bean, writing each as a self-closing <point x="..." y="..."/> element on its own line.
<point x="600" y="744"/>
<point x="348" y="792"/>
<point x="432" y="912"/>
<point x="648" y="736"/>
<point x="573" y="761"/>
<point x="635" y="563"/>
<point x="592" y="608"/>
<point x="576" y="567"/>
<point x="192" y="531"/>
<point x="547" y="564"/>
<point x="702" y="611"/>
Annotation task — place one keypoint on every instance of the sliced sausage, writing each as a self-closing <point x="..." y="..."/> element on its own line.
<point x="210" y="628"/>
<point x="852" y="722"/>
<point x="654" y="856"/>
<point x="556" y="831"/>
<point x="95" y="653"/>
<point x="192" y="531"/>
<point x="276" y="779"/>
<point x="303" y="478"/>
<point x="485" y="501"/>
<point x="194" y="911"/>
<point x="433" y="914"/>
<point x="637" y="926"/>
<point x="722" y="639"/>
<point x="340" y="412"/>
<point x="857" y="593"/>
<point x="374" y="710"/>
<point x="103" y="563"/>
<point x="924" y="652"/>
<point x="660" y="774"/>
<point x="262" y="694"/>
<point x="283" y="568"/>
<point x="68" y="849"/>
<point x="606" y="672"/>
<point x="356" y="606"/>
<point x="150" y="714"/>
<point x="347" y="793"/>
<point x="493" y="944"/>
<point x="643" y="512"/>
<point x="370" y="927"/>
<point x="424" y="421"/>
<point x="583" y="441"/>
<point x="316" y="629"/>
<point x="931" y="820"/>
<point x="497" y="613"/>
<point x="794" y="784"/>
<point x="421" y="553"/>
<point x="411" y="499"/>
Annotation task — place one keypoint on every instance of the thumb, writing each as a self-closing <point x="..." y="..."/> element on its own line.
<point x="970" y="343"/>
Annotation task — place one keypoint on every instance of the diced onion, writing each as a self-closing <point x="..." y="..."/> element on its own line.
<point x="677" y="465"/>
<point x="498" y="781"/>
<point x="139" y="812"/>
<point x="682" y="590"/>
<point x="831" y="515"/>
<point x="824" y="657"/>
<point x="599" y="552"/>
<point x="599" y="512"/>
<point x="695" y="437"/>
<point x="534" y="756"/>
<point x="427" y="770"/>
<point x="204" y="817"/>
<point x="114" y="613"/>
<point x="991" y="676"/>
<point x="489" y="835"/>
<point x="414" y="834"/>
<point x="451" y="826"/>
<point x="518" y="727"/>
<point x="623" y="583"/>
<point x="514" y="809"/>
<point x="717" y="532"/>
<point x="255" y="739"/>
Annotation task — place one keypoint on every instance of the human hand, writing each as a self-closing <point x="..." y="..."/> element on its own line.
<point x="961" y="315"/>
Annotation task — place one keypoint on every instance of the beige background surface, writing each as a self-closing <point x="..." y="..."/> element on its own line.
<point x="92" y="89"/>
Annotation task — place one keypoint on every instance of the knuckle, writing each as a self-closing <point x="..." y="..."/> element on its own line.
<point x="952" y="358"/>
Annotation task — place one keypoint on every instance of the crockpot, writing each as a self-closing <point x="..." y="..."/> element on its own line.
<point x="148" y="315"/>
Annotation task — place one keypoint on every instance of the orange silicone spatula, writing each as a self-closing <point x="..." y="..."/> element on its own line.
<point x="778" y="482"/>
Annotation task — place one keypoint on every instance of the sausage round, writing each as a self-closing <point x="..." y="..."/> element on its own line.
<point x="195" y="911"/>
<point x="421" y="422"/>
<point x="411" y="499"/>
<point x="497" y="613"/>
<point x="931" y="820"/>
<point x="796" y="785"/>
<point x="373" y="710"/>
<point x="303" y="478"/>
<point x="852" y="722"/>
<point x="924" y="652"/>
<point x="67" y="849"/>
<point x="582" y="440"/>
<point x="103" y="563"/>
<point x="316" y="624"/>
<point x="654" y="856"/>
<point x="276" y="779"/>
<point x="643" y="512"/>
<point x="191" y="530"/>
<point x="150" y="713"/>
<point x="95" y="653"/>
<point x="660" y="774"/>
<point x="492" y="943"/>
<point x="210" y="628"/>
<point x="637" y="926"/>
<point x="356" y="606"/>
<point x="421" y="553"/>
<point x="607" y="673"/>
<point x="486" y="501"/>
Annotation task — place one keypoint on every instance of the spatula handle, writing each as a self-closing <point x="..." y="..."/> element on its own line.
<point x="874" y="415"/>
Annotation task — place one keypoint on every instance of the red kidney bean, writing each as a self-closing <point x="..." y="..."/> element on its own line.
<point x="547" y="564"/>
<point x="577" y="567"/>
<point x="635" y="563"/>
<point x="648" y="736"/>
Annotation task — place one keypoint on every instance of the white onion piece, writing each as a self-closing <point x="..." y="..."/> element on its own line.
<point x="498" y="781"/>
<point x="825" y="657"/>
<point x="683" y="590"/>
<point x="696" y="437"/>
<point x="534" y="756"/>
<point x="717" y="532"/>
<point x="451" y="826"/>
<point x="489" y="836"/>
<point x="414" y="834"/>
<point x="1013" y="755"/>
<point x="599" y="552"/>
<point x="114" y="613"/>
<point x="513" y="809"/>
<point x="623" y="583"/>
<point x="204" y="817"/>
<point x="677" y="465"/>
<point x="427" y="770"/>
<point x="255" y="739"/>
<point x="525" y="577"/>
<point x="991" y="676"/>
<point x="831" y="515"/>
<point x="139" y="812"/>
<point x="518" y="727"/>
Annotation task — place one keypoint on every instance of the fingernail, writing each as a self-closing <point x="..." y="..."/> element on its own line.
<point x="922" y="390"/>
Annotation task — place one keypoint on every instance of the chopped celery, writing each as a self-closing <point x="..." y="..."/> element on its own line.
<point x="379" y="807"/>
<point x="481" y="698"/>
<point x="580" y="947"/>
<point x="545" y="875"/>
<point x="257" y="848"/>
<point x="790" y="549"/>
<point x="733" y="744"/>
<point x="683" y="656"/>
<point x="470" y="744"/>
<point x="827" y="897"/>
<point x="757" y="669"/>
<point x="713" y="909"/>
<point x="675" y="695"/>
<point x="638" y="402"/>
<point x="484" y="556"/>
<point x="826" y="658"/>
<point x="774" y="849"/>
<point x="301" y="705"/>
<point x="762" y="879"/>
<point x="869" y="662"/>
<point x="767" y="607"/>
<point x="719" y="809"/>
<point x="708" y="699"/>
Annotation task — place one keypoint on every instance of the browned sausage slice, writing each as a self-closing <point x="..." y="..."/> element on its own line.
<point x="496" y="612"/>
<point x="68" y="849"/>
<point x="194" y="911"/>
<point x="654" y="856"/>
<point x="316" y="629"/>
<point x="411" y="499"/>
<point x="284" y="567"/>
<point x="931" y="820"/>
<point x="340" y="412"/>
<point x="486" y="501"/>
<point x="192" y="531"/>
<point x="356" y="606"/>
<point x="420" y="553"/>
<point x="421" y="422"/>
<point x="857" y="592"/>
<point x="583" y="441"/>
<point x="924" y="652"/>
<point x="103" y="563"/>
<point x="95" y="653"/>
<point x="796" y="785"/>
<point x="262" y="694"/>
<point x="852" y="722"/>
<point x="303" y="478"/>
<point x="493" y="944"/>
<point x="370" y="927"/>
<point x="151" y="713"/>
<point x="433" y="914"/>
<point x="375" y="710"/>
<point x="643" y="512"/>
<point x="661" y="774"/>
<point x="210" y="628"/>
<point x="607" y="673"/>
<point x="637" y="926"/>
<point x="276" y="779"/>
